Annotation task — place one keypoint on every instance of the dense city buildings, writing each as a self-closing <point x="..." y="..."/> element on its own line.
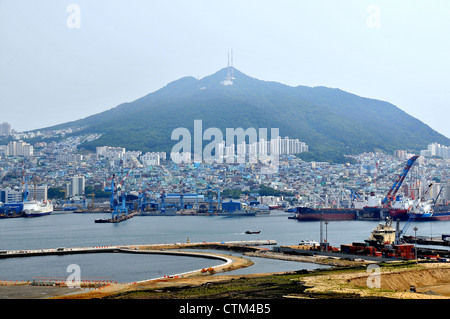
<point x="64" y="167"/>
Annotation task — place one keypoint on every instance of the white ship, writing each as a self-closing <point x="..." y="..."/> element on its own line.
<point x="371" y="201"/>
<point x="36" y="208"/>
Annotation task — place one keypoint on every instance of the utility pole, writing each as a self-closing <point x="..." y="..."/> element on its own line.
<point x="321" y="230"/>
<point x="415" y="238"/>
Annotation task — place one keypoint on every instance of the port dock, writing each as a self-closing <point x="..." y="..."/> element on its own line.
<point x="438" y="241"/>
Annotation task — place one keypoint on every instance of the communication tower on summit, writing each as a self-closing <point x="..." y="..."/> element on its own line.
<point x="230" y="77"/>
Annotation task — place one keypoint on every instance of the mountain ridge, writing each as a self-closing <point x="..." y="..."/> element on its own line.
<point x="329" y="120"/>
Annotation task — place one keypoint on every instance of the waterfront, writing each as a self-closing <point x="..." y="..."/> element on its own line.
<point x="103" y="267"/>
<point x="79" y="230"/>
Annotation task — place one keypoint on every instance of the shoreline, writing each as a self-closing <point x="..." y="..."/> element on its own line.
<point x="345" y="276"/>
<point x="24" y="289"/>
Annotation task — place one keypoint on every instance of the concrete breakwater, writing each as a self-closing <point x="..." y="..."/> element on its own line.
<point x="175" y="249"/>
<point x="155" y="248"/>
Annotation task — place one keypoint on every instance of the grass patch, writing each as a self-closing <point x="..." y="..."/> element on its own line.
<point x="274" y="286"/>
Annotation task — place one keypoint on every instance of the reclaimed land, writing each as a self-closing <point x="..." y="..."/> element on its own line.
<point x="345" y="280"/>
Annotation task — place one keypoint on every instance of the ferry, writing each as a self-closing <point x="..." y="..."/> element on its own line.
<point x="37" y="208"/>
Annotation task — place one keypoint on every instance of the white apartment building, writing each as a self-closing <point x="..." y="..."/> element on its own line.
<point x="8" y="195"/>
<point x="436" y="149"/>
<point x="37" y="192"/>
<point x="69" y="158"/>
<point x="110" y="152"/>
<point x="286" y="146"/>
<point x="181" y="157"/>
<point x="19" y="148"/>
<point x="278" y="145"/>
<point x="151" y="158"/>
<point x="76" y="186"/>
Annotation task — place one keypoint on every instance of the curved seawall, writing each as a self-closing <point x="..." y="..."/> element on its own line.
<point x="228" y="261"/>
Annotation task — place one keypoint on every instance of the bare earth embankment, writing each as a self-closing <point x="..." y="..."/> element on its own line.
<point x="347" y="279"/>
<point x="431" y="280"/>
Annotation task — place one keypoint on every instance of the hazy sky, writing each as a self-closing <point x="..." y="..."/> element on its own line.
<point x="64" y="60"/>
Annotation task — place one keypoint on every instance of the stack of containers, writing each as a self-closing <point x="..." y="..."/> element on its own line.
<point x="387" y="252"/>
<point x="404" y="251"/>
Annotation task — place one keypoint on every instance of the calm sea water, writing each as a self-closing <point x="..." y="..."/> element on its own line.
<point x="79" y="230"/>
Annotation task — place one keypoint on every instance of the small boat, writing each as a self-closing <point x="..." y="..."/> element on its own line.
<point x="252" y="232"/>
<point x="309" y="243"/>
<point x="103" y="220"/>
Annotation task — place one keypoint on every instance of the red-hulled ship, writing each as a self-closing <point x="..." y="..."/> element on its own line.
<point x="423" y="212"/>
<point x="306" y="213"/>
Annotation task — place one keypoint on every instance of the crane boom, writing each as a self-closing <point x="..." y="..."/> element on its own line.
<point x="398" y="182"/>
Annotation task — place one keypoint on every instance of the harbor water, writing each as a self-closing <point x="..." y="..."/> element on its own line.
<point x="79" y="230"/>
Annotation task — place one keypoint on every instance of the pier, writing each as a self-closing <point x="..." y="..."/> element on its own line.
<point x="119" y="219"/>
<point x="150" y="248"/>
<point x="427" y="240"/>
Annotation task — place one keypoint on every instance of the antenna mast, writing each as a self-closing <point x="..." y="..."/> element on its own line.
<point x="229" y="78"/>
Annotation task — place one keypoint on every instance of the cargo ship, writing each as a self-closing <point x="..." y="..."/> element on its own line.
<point x="369" y="208"/>
<point x="237" y="213"/>
<point x="431" y="216"/>
<point x="419" y="209"/>
<point x="306" y="213"/>
<point x="421" y="212"/>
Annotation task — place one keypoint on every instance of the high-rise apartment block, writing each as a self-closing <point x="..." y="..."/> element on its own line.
<point x="436" y="149"/>
<point x="19" y="148"/>
<point x="5" y="129"/>
<point x="76" y="186"/>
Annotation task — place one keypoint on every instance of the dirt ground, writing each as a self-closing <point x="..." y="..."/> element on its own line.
<point x="432" y="281"/>
<point x="36" y="292"/>
<point x="189" y="280"/>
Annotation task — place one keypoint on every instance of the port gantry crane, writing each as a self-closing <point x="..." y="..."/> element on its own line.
<point x="142" y="198"/>
<point x="209" y="191"/>
<point x="114" y="203"/>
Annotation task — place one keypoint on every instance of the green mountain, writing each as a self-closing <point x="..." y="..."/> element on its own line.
<point x="332" y="122"/>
